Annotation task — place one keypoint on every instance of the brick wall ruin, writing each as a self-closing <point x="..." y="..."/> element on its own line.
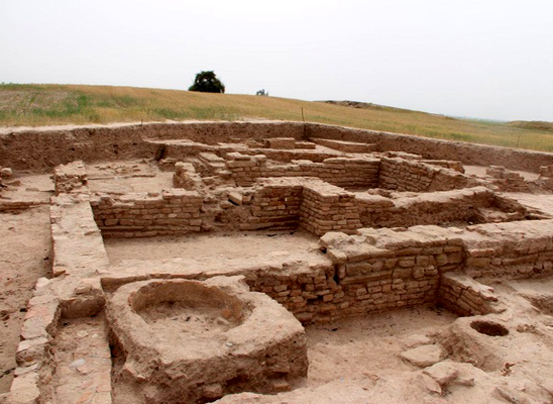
<point x="276" y="204"/>
<point x="470" y="205"/>
<point x="175" y="211"/>
<point x="381" y="246"/>
<point x="43" y="150"/>
<point x="408" y="175"/>
<point x="342" y="172"/>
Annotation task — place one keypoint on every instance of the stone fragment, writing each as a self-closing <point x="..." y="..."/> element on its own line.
<point x="31" y="351"/>
<point x="235" y="198"/>
<point x="77" y="363"/>
<point x="415" y="340"/>
<point x="214" y="390"/>
<point x="58" y="270"/>
<point x="423" y="356"/>
<point x="443" y="373"/>
<point x="24" y="389"/>
<point x="6" y="172"/>
<point x="431" y="385"/>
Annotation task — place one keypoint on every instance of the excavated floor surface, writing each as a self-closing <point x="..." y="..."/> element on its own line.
<point x="219" y="248"/>
<point x="258" y="209"/>
<point x="369" y="347"/>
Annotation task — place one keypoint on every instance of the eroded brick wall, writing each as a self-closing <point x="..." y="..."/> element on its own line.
<point x="342" y="172"/>
<point x="148" y="214"/>
<point x="327" y="208"/>
<point x="458" y="206"/>
<point x="366" y="282"/>
<point x="463" y="295"/>
<point x="513" y="250"/>
<point x="411" y="175"/>
<point x="276" y="206"/>
<point x="275" y="203"/>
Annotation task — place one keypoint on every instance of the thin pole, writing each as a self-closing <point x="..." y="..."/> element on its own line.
<point x="304" y="126"/>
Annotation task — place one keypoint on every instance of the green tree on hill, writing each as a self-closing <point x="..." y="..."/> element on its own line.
<point x="207" y="82"/>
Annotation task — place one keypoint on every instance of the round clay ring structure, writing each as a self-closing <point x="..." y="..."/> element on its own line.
<point x="192" y="341"/>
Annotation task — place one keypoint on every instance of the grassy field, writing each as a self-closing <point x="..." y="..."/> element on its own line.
<point x="37" y="105"/>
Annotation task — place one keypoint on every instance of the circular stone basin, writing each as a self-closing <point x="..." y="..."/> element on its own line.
<point x="489" y="328"/>
<point x="182" y="341"/>
<point x="188" y="310"/>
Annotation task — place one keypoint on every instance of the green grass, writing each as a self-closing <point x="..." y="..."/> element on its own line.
<point x="37" y="105"/>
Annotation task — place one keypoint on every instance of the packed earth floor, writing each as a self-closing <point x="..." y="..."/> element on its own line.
<point x="272" y="262"/>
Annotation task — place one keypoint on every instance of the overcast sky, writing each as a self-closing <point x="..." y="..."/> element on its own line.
<point x="484" y="59"/>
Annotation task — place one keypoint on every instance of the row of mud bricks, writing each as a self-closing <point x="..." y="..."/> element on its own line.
<point x="175" y="211"/>
<point x="277" y="204"/>
<point x="392" y="279"/>
<point x="412" y="175"/>
<point x="339" y="171"/>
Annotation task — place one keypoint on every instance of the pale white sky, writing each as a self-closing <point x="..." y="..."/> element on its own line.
<point x="484" y="59"/>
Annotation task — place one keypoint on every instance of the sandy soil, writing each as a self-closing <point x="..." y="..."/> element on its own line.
<point x="205" y="248"/>
<point x="480" y="172"/>
<point x="540" y="202"/>
<point x="83" y="362"/>
<point x="25" y="256"/>
<point x="128" y="176"/>
<point x="361" y="348"/>
<point x="191" y="323"/>
<point x="29" y="187"/>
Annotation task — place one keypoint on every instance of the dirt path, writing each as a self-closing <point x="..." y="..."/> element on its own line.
<point x="25" y="253"/>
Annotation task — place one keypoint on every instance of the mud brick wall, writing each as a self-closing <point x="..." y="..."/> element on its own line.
<point x="400" y="270"/>
<point x="513" y="250"/>
<point x="546" y="177"/>
<point x="70" y="177"/>
<point x="288" y="155"/>
<point x="306" y="145"/>
<point x="369" y="282"/>
<point x="436" y="208"/>
<point x="148" y="214"/>
<point x="312" y="296"/>
<point x="7" y="206"/>
<point x="281" y="143"/>
<point x="41" y="150"/>
<point x="466" y="297"/>
<point x="34" y="352"/>
<point x="342" y="172"/>
<point x="348" y="147"/>
<point x="245" y="170"/>
<point x="346" y="172"/>
<point x="452" y="165"/>
<point x="77" y="242"/>
<point x="507" y="181"/>
<point x="467" y="153"/>
<point x="308" y="203"/>
<point x="408" y="175"/>
<point x="546" y="171"/>
<point x="396" y="278"/>
<point x="326" y="208"/>
<point x="275" y="206"/>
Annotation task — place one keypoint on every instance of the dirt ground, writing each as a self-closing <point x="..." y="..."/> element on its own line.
<point x="362" y="347"/>
<point x="25" y="256"/>
<point x="219" y="247"/>
<point x="122" y="177"/>
<point x="540" y="202"/>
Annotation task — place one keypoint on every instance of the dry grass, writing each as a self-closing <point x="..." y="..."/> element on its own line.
<point x="35" y="105"/>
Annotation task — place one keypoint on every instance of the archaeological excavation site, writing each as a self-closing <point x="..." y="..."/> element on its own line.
<point x="272" y="262"/>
